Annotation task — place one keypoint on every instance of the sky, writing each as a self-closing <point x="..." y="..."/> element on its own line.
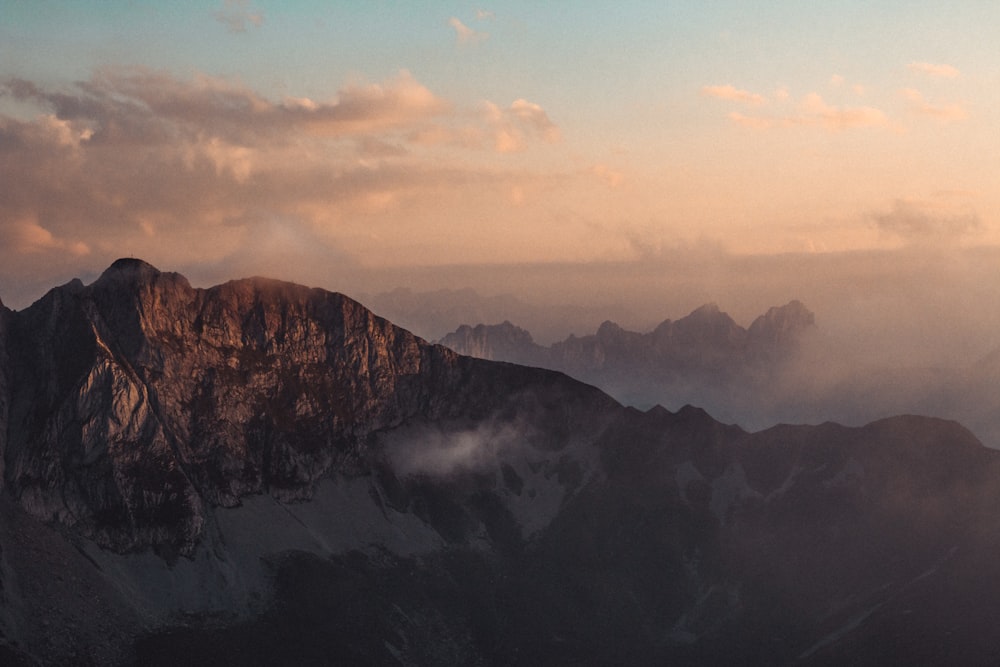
<point x="560" y="150"/>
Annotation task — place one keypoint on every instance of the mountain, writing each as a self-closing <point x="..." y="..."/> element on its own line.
<point x="433" y="314"/>
<point x="260" y="473"/>
<point x="704" y="357"/>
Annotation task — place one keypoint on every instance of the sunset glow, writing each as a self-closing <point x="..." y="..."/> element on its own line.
<point x="323" y="142"/>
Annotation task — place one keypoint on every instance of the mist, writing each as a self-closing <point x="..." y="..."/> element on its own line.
<point x="905" y="306"/>
<point x="909" y="331"/>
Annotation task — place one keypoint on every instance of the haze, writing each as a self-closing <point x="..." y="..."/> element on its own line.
<point x="635" y="158"/>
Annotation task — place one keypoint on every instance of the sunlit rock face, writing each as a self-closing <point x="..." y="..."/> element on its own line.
<point x="137" y="400"/>
<point x="262" y="473"/>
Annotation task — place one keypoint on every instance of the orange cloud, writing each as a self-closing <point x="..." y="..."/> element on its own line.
<point x="937" y="71"/>
<point x="728" y="92"/>
<point x="511" y="127"/>
<point x="26" y="236"/>
<point x="138" y="161"/>
<point x="817" y="112"/>
<point x="946" y="113"/>
<point x="813" y="111"/>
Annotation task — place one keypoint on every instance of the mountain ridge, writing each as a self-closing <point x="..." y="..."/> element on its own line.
<point x="260" y="472"/>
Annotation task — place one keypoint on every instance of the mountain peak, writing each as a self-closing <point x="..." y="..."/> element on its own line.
<point x="710" y="308"/>
<point x="130" y="266"/>
<point x="783" y="322"/>
<point x="132" y="271"/>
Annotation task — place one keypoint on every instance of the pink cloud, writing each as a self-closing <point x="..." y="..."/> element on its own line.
<point x="946" y="113"/>
<point x="728" y="92"/>
<point x="937" y="71"/>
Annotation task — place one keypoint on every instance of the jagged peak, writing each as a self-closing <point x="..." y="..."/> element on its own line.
<point x="134" y="271"/>
<point x="781" y="321"/>
<point x="710" y="308"/>
<point x="608" y="328"/>
<point x="710" y="312"/>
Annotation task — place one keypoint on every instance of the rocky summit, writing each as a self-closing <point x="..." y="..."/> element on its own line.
<point x="263" y="473"/>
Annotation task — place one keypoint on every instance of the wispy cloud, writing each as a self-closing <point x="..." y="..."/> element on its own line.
<point x="935" y="70"/>
<point x="238" y="15"/>
<point x="813" y="111"/>
<point x="918" y="222"/>
<point x="946" y="113"/>
<point x="466" y="35"/>
<point x="26" y="236"/>
<point x="485" y="15"/>
<point x="734" y="94"/>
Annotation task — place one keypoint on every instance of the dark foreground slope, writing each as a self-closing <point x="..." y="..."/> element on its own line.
<point x="260" y="473"/>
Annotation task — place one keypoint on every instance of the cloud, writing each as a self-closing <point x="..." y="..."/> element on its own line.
<point x="513" y="126"/>
<point x="817" y="112"/>
<point x="26" y="236"/>
<point x="141" y="105"/>
<point x="466" y="35"/>
<point x="238" y="16"/>
<point x="813" y="111"/>
<point x="946" y="113"/>
<point x="611" y="177"/>
<point x="731" y="93"/>
<point x="937" y="71"/>
<point x="188" y="171"/>
<point x="919" y="222"/>
<point x="485" y="15"/>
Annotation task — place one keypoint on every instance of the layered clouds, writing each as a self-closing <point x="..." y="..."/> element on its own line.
<point x="181" y="170"/>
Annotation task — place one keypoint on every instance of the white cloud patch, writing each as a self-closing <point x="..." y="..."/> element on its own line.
<point x="438" y="453"/>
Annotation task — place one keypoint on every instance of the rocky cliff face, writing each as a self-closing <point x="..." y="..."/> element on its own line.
<point x="137" y="400"/>
<point x="4" y="388"/>
<point x="499" y="342"/>
<point x="260" y="473"/>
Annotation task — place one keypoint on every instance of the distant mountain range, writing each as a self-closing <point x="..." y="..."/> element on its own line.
<point x="433" y="314"/>
<point x="259" y="473"/>
<point x="704" y="358"/>
<point x="780" y="369"/>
